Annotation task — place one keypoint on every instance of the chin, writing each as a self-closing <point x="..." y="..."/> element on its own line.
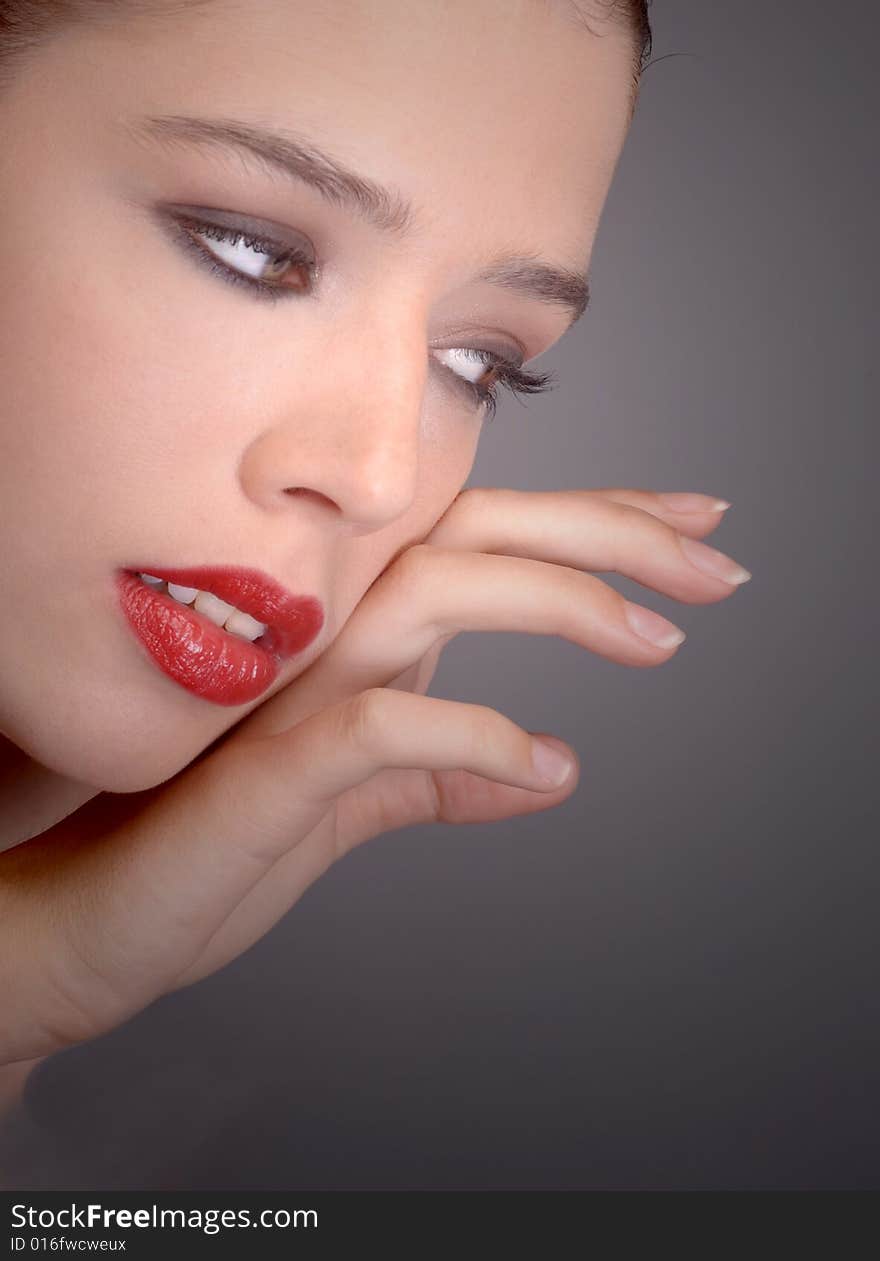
<point x="115" y="760"/>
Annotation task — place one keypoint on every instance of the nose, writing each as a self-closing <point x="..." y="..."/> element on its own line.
<point x="346" y="437"/>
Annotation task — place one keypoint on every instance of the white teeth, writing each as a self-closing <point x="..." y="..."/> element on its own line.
<point x="243" y="624"/>
<point x="185" y="595"/>
<point x="215" y="609"/>
<point x="212" y="607"/>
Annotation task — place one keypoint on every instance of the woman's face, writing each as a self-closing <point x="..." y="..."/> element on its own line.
<point x="154" y="416"/>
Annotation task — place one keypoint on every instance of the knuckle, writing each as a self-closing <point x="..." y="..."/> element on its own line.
<point x="409" y="568"/>
<point x="644" y="518"/>
<point x="628" y="512"/>
<point x="487" y="729"/>
<point x="414" y="581"/>
<point x="364" y="715"/>
<point x="627" y="518"/>
<point x="606" y="523"/>
<point x="475" y="502"/>
<point x="469" y="505"/>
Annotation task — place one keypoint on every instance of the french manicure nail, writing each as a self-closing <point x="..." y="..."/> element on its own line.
<point x="710" y="561"/>
<point x="551" y="763"/>
<point x="686" y="501"/>
<point x="651" y="626"/>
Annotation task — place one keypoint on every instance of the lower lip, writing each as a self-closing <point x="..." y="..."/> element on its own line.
<point x="200" y="656"/>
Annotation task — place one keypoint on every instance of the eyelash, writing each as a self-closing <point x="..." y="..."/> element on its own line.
<point x="509" y="376"/>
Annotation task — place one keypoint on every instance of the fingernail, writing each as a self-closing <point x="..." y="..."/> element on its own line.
<point x="651" y="626"/>
<point x="685" y="501"/>
<point x="713" y="562"/>
<point x="550" y="762"/>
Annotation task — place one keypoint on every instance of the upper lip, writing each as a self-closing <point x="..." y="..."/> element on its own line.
<point x="250" y="590"/>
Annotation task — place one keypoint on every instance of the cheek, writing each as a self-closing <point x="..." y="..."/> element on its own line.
<point x="450" y="435"/>
<point x="91" y="419"/>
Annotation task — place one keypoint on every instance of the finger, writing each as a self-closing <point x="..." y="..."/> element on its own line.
<point x="370" y="651"/>
<point x="589" y="530"/>
<point x="417" y="678"/>
<point x="394" y="625"/>
<point x="468" y="511"/>
<point x="389" y="800"/>
<point x="431" y="593"/>
<point x="692" y="513"/>
<point x="138" y="905"/>
<point x="396" y="799"/>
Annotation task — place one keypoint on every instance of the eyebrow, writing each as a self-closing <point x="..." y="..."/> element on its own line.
<point x="300" y="160"/>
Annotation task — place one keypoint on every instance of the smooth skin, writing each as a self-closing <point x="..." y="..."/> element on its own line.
<point x="201" y="827"/>
<point x="139" y="895"/>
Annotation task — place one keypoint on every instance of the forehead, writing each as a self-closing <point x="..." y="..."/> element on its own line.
<point x="504" y="113"/>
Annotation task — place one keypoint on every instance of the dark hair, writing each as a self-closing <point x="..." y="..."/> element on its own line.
<point x="644" y="40"/>
<point x="26" y="24"/>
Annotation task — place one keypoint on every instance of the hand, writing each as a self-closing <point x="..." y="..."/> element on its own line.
<point x="128" y="900"/>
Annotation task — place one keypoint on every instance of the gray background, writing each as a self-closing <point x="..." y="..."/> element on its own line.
<point x="670" y="980"/>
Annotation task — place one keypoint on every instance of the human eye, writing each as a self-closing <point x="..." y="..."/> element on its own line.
<point x="507" y="374"/>
<point x="241" y="256"/>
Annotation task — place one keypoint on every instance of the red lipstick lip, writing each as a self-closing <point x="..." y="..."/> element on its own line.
<point x="293" y="620"/>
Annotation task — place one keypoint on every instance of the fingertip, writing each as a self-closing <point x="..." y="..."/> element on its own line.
<point x="554" y="761"/>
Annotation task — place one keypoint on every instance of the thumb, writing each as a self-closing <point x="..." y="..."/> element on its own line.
<point x="140" y="902"/>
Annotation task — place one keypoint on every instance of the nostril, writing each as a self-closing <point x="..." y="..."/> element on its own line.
<point x="304" y="492"/>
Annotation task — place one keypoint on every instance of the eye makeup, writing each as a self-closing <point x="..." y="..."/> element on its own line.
<point x="192" y="234"/>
